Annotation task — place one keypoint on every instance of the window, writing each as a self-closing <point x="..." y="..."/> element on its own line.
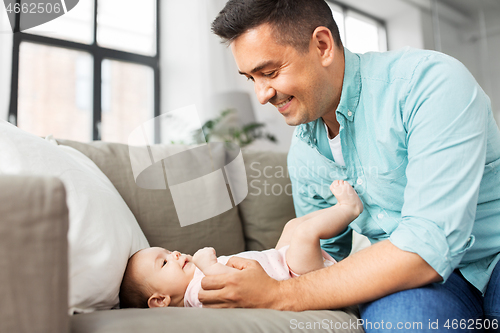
<point x="359" y="32"/>
<point x="52" y="98"/>
<point x="91" y="74"/>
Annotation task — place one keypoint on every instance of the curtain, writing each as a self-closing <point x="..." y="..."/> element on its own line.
<point x="5" y="62"/>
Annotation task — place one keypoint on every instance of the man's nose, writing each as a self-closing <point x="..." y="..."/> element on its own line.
<point x="264" y="91"/>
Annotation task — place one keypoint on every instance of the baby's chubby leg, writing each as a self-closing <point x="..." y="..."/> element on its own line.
<point x="304" y="254"/>
<point x="289" y="229"/>
<point x="206" y="260"/>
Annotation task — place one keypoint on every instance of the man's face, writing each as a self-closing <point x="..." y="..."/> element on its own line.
<point x="297" y="83"/>
<point x="164" y="272"/>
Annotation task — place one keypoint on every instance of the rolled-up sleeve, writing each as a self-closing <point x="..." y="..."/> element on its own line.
<point x="445" y="114"/>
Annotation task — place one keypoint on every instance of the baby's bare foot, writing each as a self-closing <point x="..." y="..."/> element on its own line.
<point x="347" y="196"/>
<point x="205" y="257"/>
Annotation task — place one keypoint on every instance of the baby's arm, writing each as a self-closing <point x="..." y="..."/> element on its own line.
<point x="206" y="260"/>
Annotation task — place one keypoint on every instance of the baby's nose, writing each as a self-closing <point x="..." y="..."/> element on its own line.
<point x="175" y="254"/>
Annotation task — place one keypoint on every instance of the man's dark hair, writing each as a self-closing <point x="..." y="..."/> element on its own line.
<point x="293" y="21"/>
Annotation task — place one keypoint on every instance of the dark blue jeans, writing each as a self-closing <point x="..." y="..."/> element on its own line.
<point x="455" y="306"/>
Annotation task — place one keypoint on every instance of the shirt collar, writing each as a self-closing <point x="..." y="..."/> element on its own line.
<point x="351" y="87"/>
<point x="349" y="99"/>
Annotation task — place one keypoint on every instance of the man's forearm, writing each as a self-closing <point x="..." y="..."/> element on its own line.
<point x="377" y="271"/>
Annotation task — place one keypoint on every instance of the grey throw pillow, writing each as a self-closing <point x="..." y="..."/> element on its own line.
<point x="269" y="203"/>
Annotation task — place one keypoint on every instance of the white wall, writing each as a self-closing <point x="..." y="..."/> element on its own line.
<point x="494" y="70"/>
<point x="189" y="72"/>
<point x="405" y="29"/>
<point x="452" y="42"/>
<point x="5" y="62"/>
<point x="465" y="43"/>
<point x="490" y="60"/>
<point x="195" y="65"/>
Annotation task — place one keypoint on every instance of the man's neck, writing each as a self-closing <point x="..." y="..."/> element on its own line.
<point x="337" y="72"/>
<point x="332" y="124"/>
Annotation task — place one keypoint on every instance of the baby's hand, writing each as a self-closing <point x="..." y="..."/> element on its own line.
<point x="205" y="257"/>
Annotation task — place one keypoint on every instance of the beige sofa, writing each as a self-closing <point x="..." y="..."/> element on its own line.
<point x="33" y="243"/>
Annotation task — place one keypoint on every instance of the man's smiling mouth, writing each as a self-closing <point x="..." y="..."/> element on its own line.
<point x="284" y="103"/>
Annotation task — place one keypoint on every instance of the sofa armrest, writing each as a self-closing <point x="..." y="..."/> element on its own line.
<point x="33" y="255"/>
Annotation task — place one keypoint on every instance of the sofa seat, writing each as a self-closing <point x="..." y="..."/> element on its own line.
<point x="187" y="320"/>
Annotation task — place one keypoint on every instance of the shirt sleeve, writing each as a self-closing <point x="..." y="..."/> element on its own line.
<point x="306" y="200"/>
<point x="445" y="115"/>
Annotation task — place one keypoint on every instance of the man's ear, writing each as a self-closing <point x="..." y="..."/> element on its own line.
<point x="159" y="301"/>
<point x="323" y="43"/>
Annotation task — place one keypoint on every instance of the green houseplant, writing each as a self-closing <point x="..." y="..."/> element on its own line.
<point x="224" y="128"/>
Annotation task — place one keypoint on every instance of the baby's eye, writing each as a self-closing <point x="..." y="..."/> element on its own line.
<point x="164" y="263"/>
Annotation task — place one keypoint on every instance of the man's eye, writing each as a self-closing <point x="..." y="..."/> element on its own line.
<point x="271" y="74"/>
<point x="249" y="78"/>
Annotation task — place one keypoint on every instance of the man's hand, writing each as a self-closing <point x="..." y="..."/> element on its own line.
<point x="369" y="274"/>
<point x="247" y="287"/>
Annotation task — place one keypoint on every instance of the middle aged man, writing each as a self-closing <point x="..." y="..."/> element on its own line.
<point x="412" y="131"/>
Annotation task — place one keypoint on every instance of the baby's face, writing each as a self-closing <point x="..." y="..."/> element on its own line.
<point x="164" y="272"/>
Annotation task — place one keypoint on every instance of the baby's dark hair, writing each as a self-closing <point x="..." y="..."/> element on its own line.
<point x="132" y="293"/>
<point x="293" y="21"/>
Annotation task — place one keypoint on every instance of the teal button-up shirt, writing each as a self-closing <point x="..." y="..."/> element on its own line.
<point x="421" y="149"/>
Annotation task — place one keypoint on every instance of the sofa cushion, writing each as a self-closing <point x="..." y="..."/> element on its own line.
<point x="155" y="210"/>
<point x="268" y="205"/>
<point x="174" y="320"/>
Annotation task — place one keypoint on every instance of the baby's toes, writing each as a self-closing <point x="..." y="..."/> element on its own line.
<point x="338" y="187"/>
<point x="335" y="184"/>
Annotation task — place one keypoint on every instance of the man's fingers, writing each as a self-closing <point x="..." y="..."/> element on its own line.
<point x="214" y="299"/>
<point x="217" y="306"/>
<point x="213" y="282"/>
<point x="213" y="295"/>
<point x="234" y="289"/>
<point x="240" y="263"/>
<point x="210" y="297"/>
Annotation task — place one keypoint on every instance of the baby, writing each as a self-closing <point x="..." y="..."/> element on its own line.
<point x="156" y="277"/>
